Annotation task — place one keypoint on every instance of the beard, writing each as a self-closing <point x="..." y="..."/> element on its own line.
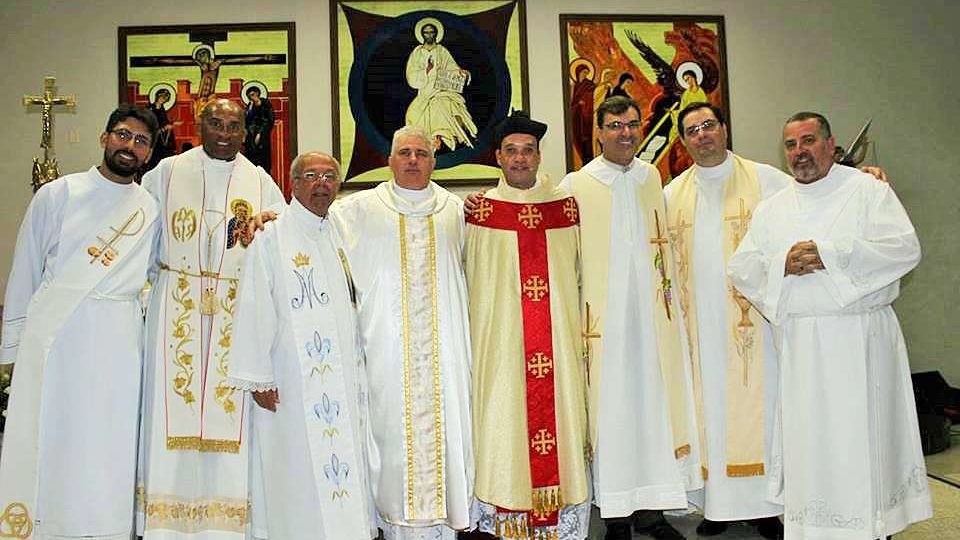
<point x="119" y="167"/>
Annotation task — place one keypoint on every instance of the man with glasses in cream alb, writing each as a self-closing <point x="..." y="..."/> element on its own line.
<point x="645" y="454"/>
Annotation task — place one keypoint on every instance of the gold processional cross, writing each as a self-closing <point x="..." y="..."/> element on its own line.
<point x="47" y="169"/>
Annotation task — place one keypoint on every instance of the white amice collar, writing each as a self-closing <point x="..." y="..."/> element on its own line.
<point x="105" y="183"/>
<point x="214" y="164"/>
<point x="307" y="218"/>
<point x="717" y="172"/>
<point x="412" y="195"/>
<point x="607" y="171"/>
<point x="421" y="202"/>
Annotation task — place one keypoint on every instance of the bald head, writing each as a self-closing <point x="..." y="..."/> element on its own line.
<point x="316" y="181"/>
<point x="222" y="129"/>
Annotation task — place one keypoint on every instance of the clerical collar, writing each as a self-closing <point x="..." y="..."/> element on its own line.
<point x="717" y="172"/>
<point x="412" y="195"/>
<point x="607" y="172"/>
<point x="618" y="167"/>
<point x="307" y="217"/>
<point x="822" y="186"/>
<point x="106" y="183"/>
<point x="215" y="163"/>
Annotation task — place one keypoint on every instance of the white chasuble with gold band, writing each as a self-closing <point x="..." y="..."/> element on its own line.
<point x="332" y="427"/>
<point x="103" y="252"/>
<point x="203" y="412"/>
<point x="405" y="257"/>
<point x="639" y="362"/>
<point x="744" y="448"/>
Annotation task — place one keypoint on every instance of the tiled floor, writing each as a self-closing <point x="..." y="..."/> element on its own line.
<point x="946" y="508"/>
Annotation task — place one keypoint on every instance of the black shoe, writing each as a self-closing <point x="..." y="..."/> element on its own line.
<point x="617" y="529"/>
<point x="711" y="528"/>
<point x="661" y="530"/>
<point x="769" y="527"/>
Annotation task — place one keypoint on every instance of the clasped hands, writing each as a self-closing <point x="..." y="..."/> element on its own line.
<point x="802" y="259"/>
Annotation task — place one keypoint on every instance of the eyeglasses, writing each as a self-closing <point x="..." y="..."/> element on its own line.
<point x="327" y="177"/>
<point x="232" y="128"/>
<point x="707" y="126"/>
<point x="617" y="125"/>
<point x="125" y="135"/>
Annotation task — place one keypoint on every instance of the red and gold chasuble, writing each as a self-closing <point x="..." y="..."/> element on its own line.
<point x="530" y="222"/>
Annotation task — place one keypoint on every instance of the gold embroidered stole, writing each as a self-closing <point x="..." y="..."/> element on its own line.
<point x="595" y="203"/>
<point x="744" y="384"/>
<point x="424" y="432"/>
<point x="203" y="412"/>
<point x="112" y="238"/>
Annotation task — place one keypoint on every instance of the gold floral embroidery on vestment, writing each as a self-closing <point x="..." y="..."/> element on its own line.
<point x="224" y="394"/>
<point x="185" y="516"/>
<point x="183" y="334"/>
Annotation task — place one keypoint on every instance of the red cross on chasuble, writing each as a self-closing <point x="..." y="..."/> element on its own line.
<point x="531" y="221"/>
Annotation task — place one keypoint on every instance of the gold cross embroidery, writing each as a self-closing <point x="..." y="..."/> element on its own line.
<point x="530" y="216"/>
<point x="483" y="211"/>
<point x="570" y="210"/>
<point x="589" y="333"/>
<point x="660" y="263"/>
<point x="539" y="365"/>
<point x="742" y="220"/>
<point x="680" y="226"/>
<point x="535" y="288"/>
<point x="543" y="442"/>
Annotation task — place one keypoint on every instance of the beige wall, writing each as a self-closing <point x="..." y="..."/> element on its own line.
<point x="851" y="60"/>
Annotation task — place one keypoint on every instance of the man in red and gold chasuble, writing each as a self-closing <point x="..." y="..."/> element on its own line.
<point x="529" y="403"/>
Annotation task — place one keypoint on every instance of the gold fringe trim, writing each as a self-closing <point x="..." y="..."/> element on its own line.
<point x="749" y="469"/>
<point x="704" y="472"/>
<point x="518" y="526"/>
<point x="683" y="451"/>
<point x="203" y="274"/>
<point x="546" y="500"/>
<point x="203" y="445"/>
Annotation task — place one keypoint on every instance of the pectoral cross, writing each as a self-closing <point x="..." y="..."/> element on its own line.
<point x="742" y="221"/>
<point x="107" y="251"/>
<point x="660" y="263"/>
